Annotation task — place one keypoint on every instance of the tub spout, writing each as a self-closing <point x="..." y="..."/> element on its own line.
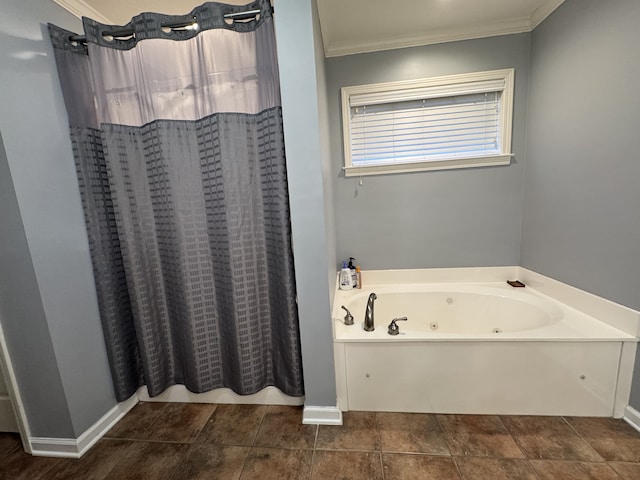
<point x="369" y="325"/>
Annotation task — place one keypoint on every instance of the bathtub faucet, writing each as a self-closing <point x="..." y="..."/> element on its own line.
<point x="368" y="314"/>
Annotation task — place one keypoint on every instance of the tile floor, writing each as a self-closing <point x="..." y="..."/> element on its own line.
<point x="180" y="441"/>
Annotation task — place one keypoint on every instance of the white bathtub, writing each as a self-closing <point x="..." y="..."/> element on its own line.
<point x="481" y="347"/>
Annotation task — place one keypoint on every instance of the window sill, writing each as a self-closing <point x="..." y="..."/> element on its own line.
<point x="448" y="164"/>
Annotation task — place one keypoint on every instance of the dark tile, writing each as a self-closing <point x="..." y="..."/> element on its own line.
<point x="626" y="471"/>
<point x="233" y="425"/>
<point x="612" y="438"/>
<point x="277" y="464"/>
<point x="179" y="422"/>
<point x="550" y="470"/>
<point x="212" y="462"/>
<point x="137" y="420"/>
<point x="22" y="466"/>
<point x="282" y="428"/>
<point x="476" y="424"/>
<point x="357" y="432"/>
<point x="9" y="443"/>
<point x="478" y="468"/>
<point x="478" y="435"/>
<point x="332" y="465"/>
<point x="411" y="433"/>
<point x="549" y="438"/>
<point x="424" y="467"/>
<point x="149" y="461"/>
<point x="94" y="465"/>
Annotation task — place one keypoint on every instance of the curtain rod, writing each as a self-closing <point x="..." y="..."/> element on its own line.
<point x="125" y="32"/>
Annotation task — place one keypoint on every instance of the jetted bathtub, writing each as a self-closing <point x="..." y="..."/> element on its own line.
<point x="481" y="347"/>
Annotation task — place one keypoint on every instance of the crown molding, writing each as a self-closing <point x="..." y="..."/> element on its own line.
<point x="80" y="8"/>
<point x="333" y="48"/>
<point x="542" y="12"/>
<point x="512" y="26"/>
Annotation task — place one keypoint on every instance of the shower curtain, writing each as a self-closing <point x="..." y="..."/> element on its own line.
<point x="178" y="144"/>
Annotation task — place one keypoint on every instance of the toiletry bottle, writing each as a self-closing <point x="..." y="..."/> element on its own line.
<point x="346" y="281"/>
<point x="358" y="277"/>
<point x="352" y="266"/>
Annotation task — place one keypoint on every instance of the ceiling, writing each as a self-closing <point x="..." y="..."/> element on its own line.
<point x="357" y="26"/>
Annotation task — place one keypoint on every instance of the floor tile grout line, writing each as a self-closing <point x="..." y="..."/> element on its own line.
<point x="517" y="440"/>
<point x="127" y="453"/>
<point x="151" y="440"/>
<point x="313" y="459"/>
<point x="455" y="463"/>
<point x="535" y="472"/>
<point x="255" y="435"/>
<point x="583" y="438"/>
<point x="315" y="438"/>
<point x="106" y="475"/>
<point x="253" y="443"/>
<point x="178" y="464"/>
<point x="426" y="454"/>
<point x="246" y="459"/>
<point x="513" y="437"/>
<point x="157" y="417"/>
<point x="313" y="454"/>
<point x="204" y="424"/>
<point x="375" y="419"/>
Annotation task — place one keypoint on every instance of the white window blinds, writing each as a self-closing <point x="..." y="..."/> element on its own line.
<point x="423" y="130"/>
<point x="448" y="122"/>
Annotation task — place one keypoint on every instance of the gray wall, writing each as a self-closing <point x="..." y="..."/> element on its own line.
<point x="54" y="333"/>
<point x="24" y="323"/>
<point x="299" y="79"/>
<point x="325" y="153"/>
<point x="453" y="218"/>
<point x="582" y="202"/>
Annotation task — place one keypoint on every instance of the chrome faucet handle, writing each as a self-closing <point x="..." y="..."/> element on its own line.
<point x="369" y="323"/>
<point x="348" y="318"/>
<point x="394" y="329"/>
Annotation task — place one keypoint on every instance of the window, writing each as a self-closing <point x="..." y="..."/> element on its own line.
<point x="456" y="121"/>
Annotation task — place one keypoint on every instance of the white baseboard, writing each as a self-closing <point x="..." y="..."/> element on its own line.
<point x="76" y="447"/>
<point x="321" y="416"/>
<point x="632" y="417"/>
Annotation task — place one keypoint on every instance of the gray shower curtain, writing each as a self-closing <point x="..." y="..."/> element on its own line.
<point x="178" y="143"/>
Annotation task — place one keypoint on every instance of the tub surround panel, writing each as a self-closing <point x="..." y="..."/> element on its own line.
<point x="506" y="378"/>
<point x="615" y="314"/>
<point x="625" y="378"/>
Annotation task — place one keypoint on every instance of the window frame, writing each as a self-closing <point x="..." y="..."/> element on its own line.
<point x="435" y="87"/>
